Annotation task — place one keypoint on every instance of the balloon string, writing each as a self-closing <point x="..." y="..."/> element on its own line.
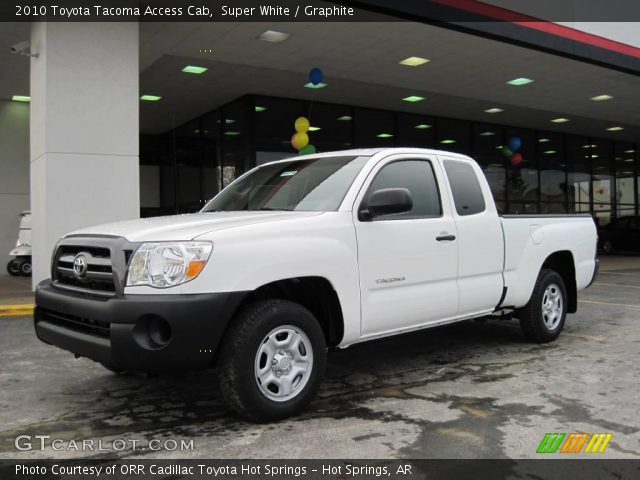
<point x="313" y="95"/>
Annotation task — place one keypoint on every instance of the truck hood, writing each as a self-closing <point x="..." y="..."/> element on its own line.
<point x="187" y="227"/>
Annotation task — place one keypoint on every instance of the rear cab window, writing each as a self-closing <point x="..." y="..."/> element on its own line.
<point x="465" y="188"/>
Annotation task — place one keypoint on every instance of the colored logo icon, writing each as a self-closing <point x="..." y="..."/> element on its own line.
<point x="577" y="442"/>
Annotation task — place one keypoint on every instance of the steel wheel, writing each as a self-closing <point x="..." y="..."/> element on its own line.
<point x="552" y="306"/>
<point x="283" y="363"/>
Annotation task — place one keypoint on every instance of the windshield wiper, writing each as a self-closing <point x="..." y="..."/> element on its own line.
<point x="268" y="209"/>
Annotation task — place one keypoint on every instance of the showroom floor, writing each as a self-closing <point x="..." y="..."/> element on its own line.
<point x="470" y="390"/>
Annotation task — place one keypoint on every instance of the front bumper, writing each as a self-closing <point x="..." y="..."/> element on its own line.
<point x="146" y="333"/>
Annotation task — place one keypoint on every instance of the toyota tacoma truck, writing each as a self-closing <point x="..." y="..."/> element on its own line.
<point x="302" y="255"/>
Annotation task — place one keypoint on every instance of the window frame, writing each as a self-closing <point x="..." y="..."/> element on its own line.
<point x="399" y="216"/>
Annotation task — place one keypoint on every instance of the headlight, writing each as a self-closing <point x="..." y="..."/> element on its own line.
<point x="163" y="265"/>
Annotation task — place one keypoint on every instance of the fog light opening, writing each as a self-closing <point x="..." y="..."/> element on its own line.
<point x="152" y="332"/>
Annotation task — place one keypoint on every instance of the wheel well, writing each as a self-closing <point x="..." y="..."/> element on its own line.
<point x="563" y="263"/>
<point x="315" y="294"/>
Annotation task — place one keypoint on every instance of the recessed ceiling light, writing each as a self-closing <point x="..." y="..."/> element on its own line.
<point x="544" y="140"/>
<point x="345" y="118"/>
<point x="560" y="120"/>
<point x="614" y="129"/>
<point x="520" y="81"/>
<point x="314" y="129"/>
<point x="487" y="134"/>
<point x="494" y="110"/>
<point x="414" y="61"/>
<point x="413" y="98"/>
<point x="21" y="98"/>
<point x="311" y="85"/>
<point x="194" y="69"/>
<point x="447" y="141"/>
<point x="422" y="126"/>
<point x="150" y="98"/>
<point x="550" y="152"/>
<point x="384" y="135"/>
<point x="273" y="36"/>
<point x="260" y="109"/>
<point x="232" y="133"/>
<point x="601" y="98"/>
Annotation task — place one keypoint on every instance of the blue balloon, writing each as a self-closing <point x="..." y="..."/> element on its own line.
<point x="514" y="144"/>
<point x="316" y="76"/>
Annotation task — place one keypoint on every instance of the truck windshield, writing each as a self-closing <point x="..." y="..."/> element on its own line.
<point x="316" y="184"/>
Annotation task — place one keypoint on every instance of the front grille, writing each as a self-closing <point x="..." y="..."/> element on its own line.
<point x="78" y="324"/>
<point x="102" y="265"/>
<point x="97" y="278"/>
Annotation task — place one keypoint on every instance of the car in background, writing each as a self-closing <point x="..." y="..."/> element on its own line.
<point x="622" y="234"/>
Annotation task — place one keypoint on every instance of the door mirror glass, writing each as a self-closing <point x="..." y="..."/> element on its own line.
<point x="387" y="201"/>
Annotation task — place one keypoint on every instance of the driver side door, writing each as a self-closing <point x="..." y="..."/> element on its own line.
<point x="408" y="261"/>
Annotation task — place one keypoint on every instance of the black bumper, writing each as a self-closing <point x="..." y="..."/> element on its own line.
<point x="146" y="333"/>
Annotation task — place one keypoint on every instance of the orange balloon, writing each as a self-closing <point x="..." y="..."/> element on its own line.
<point x="299" y="140"/>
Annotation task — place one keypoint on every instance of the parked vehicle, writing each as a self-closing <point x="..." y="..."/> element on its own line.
<point x="21" y="263"/>
<point x="622" y="234"/>
<point x="306" y="254"/>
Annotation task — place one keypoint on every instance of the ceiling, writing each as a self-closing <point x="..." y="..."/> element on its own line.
<point x="466" y="74"/>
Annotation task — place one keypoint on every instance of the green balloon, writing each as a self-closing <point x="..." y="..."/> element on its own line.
<point x="307" y="150"/>
<point x="506" y="151"/>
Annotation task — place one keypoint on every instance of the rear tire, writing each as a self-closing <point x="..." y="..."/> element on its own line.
<point x="13" y="267"/>
<point x="543" y="317"/>
<point x="272" y="360"/>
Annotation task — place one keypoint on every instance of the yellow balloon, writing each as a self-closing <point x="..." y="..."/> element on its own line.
<point x="302" y="125"/>
<point x="300" y="140"/>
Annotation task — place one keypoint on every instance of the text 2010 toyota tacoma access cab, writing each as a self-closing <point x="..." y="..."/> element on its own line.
<point x="304" y="254"/>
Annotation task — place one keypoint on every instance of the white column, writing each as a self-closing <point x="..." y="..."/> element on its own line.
<point x="84" y="130"/>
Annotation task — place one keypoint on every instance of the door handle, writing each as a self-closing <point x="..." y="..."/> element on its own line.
<point x="445" y="238"/>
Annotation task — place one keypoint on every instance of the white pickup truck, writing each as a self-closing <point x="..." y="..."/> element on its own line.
<point x="305" y="254"/>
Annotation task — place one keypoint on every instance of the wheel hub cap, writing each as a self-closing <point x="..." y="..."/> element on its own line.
<point x="552" y="306"/>
<point x="283" y="363"/>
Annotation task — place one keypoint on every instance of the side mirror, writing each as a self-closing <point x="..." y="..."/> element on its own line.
<point x="386" y="201"/>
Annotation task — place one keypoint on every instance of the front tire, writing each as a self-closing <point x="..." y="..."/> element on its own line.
<point x="543" y="317"/>
<point x="272" y="360"/>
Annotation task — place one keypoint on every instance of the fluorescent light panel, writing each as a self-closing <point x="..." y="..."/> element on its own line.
<point x="384" y="135"/>
<point x="21" y="98"/>
<point x="601" y="98"/>
<point x="560" y="120"/>
<point x="422" y="126"/>
<point x="311" y="85"/>
<point x="314" y="129"/>
<point x="413" y="98"/>
<point x="150" y="98"/>
<point x="494" y="110"/>
<point x="194" y="69"/>
<point x="260" y="109"/>
<point x="345" y="118"/>
<point x="414" y="61"/>
<point x="614" y="129"/>
<point x="273" y="36"/>
<point x="447" y="141"/>
<point x="520" y="81"/>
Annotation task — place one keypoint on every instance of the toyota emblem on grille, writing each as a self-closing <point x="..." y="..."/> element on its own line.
<point x="79" y="265"/>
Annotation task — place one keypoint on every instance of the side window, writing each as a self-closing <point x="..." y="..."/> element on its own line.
<point x="467" y="194"/>
<point x="416" y="176"/>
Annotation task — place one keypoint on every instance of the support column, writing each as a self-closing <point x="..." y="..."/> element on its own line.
<point x="84" y="130"/>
